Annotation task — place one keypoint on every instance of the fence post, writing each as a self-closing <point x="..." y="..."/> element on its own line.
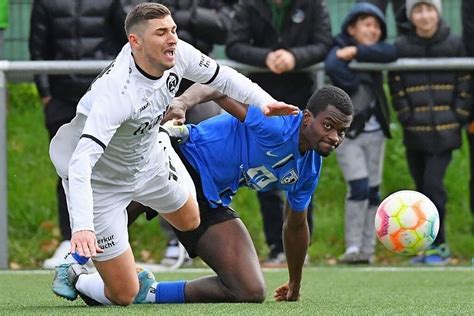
<point x="3" y="174"/>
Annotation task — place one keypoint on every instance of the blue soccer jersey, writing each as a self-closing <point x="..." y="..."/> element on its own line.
<point x="261" y="153"/>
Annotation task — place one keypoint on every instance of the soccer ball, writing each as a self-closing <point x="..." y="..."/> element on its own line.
<point x="406" y="222"/>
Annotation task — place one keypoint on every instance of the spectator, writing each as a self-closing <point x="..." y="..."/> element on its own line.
<point x="467" y="31"/>
<point x="68" y="30"/>
<point x="3" y="22"/>
<point x="283" y="36"/>
<point x="399" y="12"/>
<point x="362" y="38"/>
<point x="431" y="107"/>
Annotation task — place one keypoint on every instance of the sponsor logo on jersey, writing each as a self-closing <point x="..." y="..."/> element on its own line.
<point x="106" y="242"/>
<point x="172" y="83"/>
<point x="290" y="177"/>
<point x="147" y="104"/>
<point x="148" y="126"/>
<point x="205" y="61"/>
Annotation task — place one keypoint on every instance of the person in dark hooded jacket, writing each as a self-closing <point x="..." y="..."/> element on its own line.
<point x="432" y="106"/>
<point x="362" y="38"/>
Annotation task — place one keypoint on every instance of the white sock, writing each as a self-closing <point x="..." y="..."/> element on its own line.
<point x="93" y="286"/>
<point x="151" y="294"/>
<point x="70" y="259"/>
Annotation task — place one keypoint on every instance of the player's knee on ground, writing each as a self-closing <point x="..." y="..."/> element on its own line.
<point x="256" y="293"/>
<point x="124" y="296"/>
<point x="250" y="292"/>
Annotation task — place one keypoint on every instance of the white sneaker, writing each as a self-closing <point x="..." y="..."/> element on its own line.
<point x="58" y="256"/>
<point x="172" y="255"/>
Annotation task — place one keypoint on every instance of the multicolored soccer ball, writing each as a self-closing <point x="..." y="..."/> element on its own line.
<point x="406" y="222"/>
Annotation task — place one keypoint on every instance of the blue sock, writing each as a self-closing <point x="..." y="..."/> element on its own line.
<point x="80" y="259"/>
<point x="170" y="292"/>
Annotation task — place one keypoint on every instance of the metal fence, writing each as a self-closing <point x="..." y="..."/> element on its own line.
<point x="8" y="68"/>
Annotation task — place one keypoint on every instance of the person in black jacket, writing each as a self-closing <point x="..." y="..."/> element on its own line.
<point x="68" y="30"/>
<point x="467" y="31"/>
<point x="431" y="106"/>
<point x="362" y="38"/>
<point x="283" y="36"/>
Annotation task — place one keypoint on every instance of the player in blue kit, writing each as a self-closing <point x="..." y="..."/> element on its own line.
<point x="249" y="149"/>
<point x="246" y="149"/>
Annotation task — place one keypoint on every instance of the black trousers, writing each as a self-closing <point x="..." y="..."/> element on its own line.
<point x="428" y="170"/>
<point x="58" y="113"/>
<point x="271" y="208"/>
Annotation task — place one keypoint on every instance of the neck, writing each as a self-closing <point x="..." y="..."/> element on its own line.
<point x="426" y="34"/>
<point x="145" y="67"/>
<point x="303" y="144"/>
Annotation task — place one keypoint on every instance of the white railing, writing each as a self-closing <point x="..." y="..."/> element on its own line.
<point x="93" y="67"/>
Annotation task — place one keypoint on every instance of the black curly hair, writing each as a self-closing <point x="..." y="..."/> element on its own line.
<point x="330" y="95"/>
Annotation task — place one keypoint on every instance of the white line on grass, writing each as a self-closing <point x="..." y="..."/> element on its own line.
<point x="351" y="269"/>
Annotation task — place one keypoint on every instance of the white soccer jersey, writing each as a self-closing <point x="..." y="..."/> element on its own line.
<point x="124" y="107"/>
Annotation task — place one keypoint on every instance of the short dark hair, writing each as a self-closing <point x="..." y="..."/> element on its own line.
<point x="142" y="13"/>
<point x="361" y="17"/>
<point x="330" y="95"/>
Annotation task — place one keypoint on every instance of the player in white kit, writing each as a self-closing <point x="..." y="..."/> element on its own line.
<point x="109" y="155"/>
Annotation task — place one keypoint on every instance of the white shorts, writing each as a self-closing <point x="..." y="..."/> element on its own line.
<point x="165" y="191"/>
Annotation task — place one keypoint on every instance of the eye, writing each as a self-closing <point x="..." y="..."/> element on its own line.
<point x="342" y="134"/>
<point x="327" y="126"/>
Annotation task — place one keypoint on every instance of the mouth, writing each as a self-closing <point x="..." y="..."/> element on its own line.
<point x="328" y="147"/>
<point x="170" y="52"/>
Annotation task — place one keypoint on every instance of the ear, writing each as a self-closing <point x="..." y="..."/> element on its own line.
<point x="351" y="30"/>
<point x="307" y="115"/>
<point x="134" y="40"/>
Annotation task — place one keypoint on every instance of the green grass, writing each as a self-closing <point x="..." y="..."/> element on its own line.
<point x="33" y="230"/>
<point x="325" y="291"/>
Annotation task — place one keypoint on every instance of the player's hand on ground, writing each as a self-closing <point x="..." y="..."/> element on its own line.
<point x="84" y="243"/>
<point x="279" y="108"/>
<point x="286" y="293"/>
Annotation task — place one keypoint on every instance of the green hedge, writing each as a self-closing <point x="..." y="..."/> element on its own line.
<point x="34" y="233"/>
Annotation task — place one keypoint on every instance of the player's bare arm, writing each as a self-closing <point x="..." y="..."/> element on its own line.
<point x="199" y="93"/>
<point x="296" y="242"/>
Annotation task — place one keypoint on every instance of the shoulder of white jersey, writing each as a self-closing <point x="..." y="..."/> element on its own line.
<point x="192" y="64"/>
<point x="182" y="49"/>
<point x="112" y="83"/>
